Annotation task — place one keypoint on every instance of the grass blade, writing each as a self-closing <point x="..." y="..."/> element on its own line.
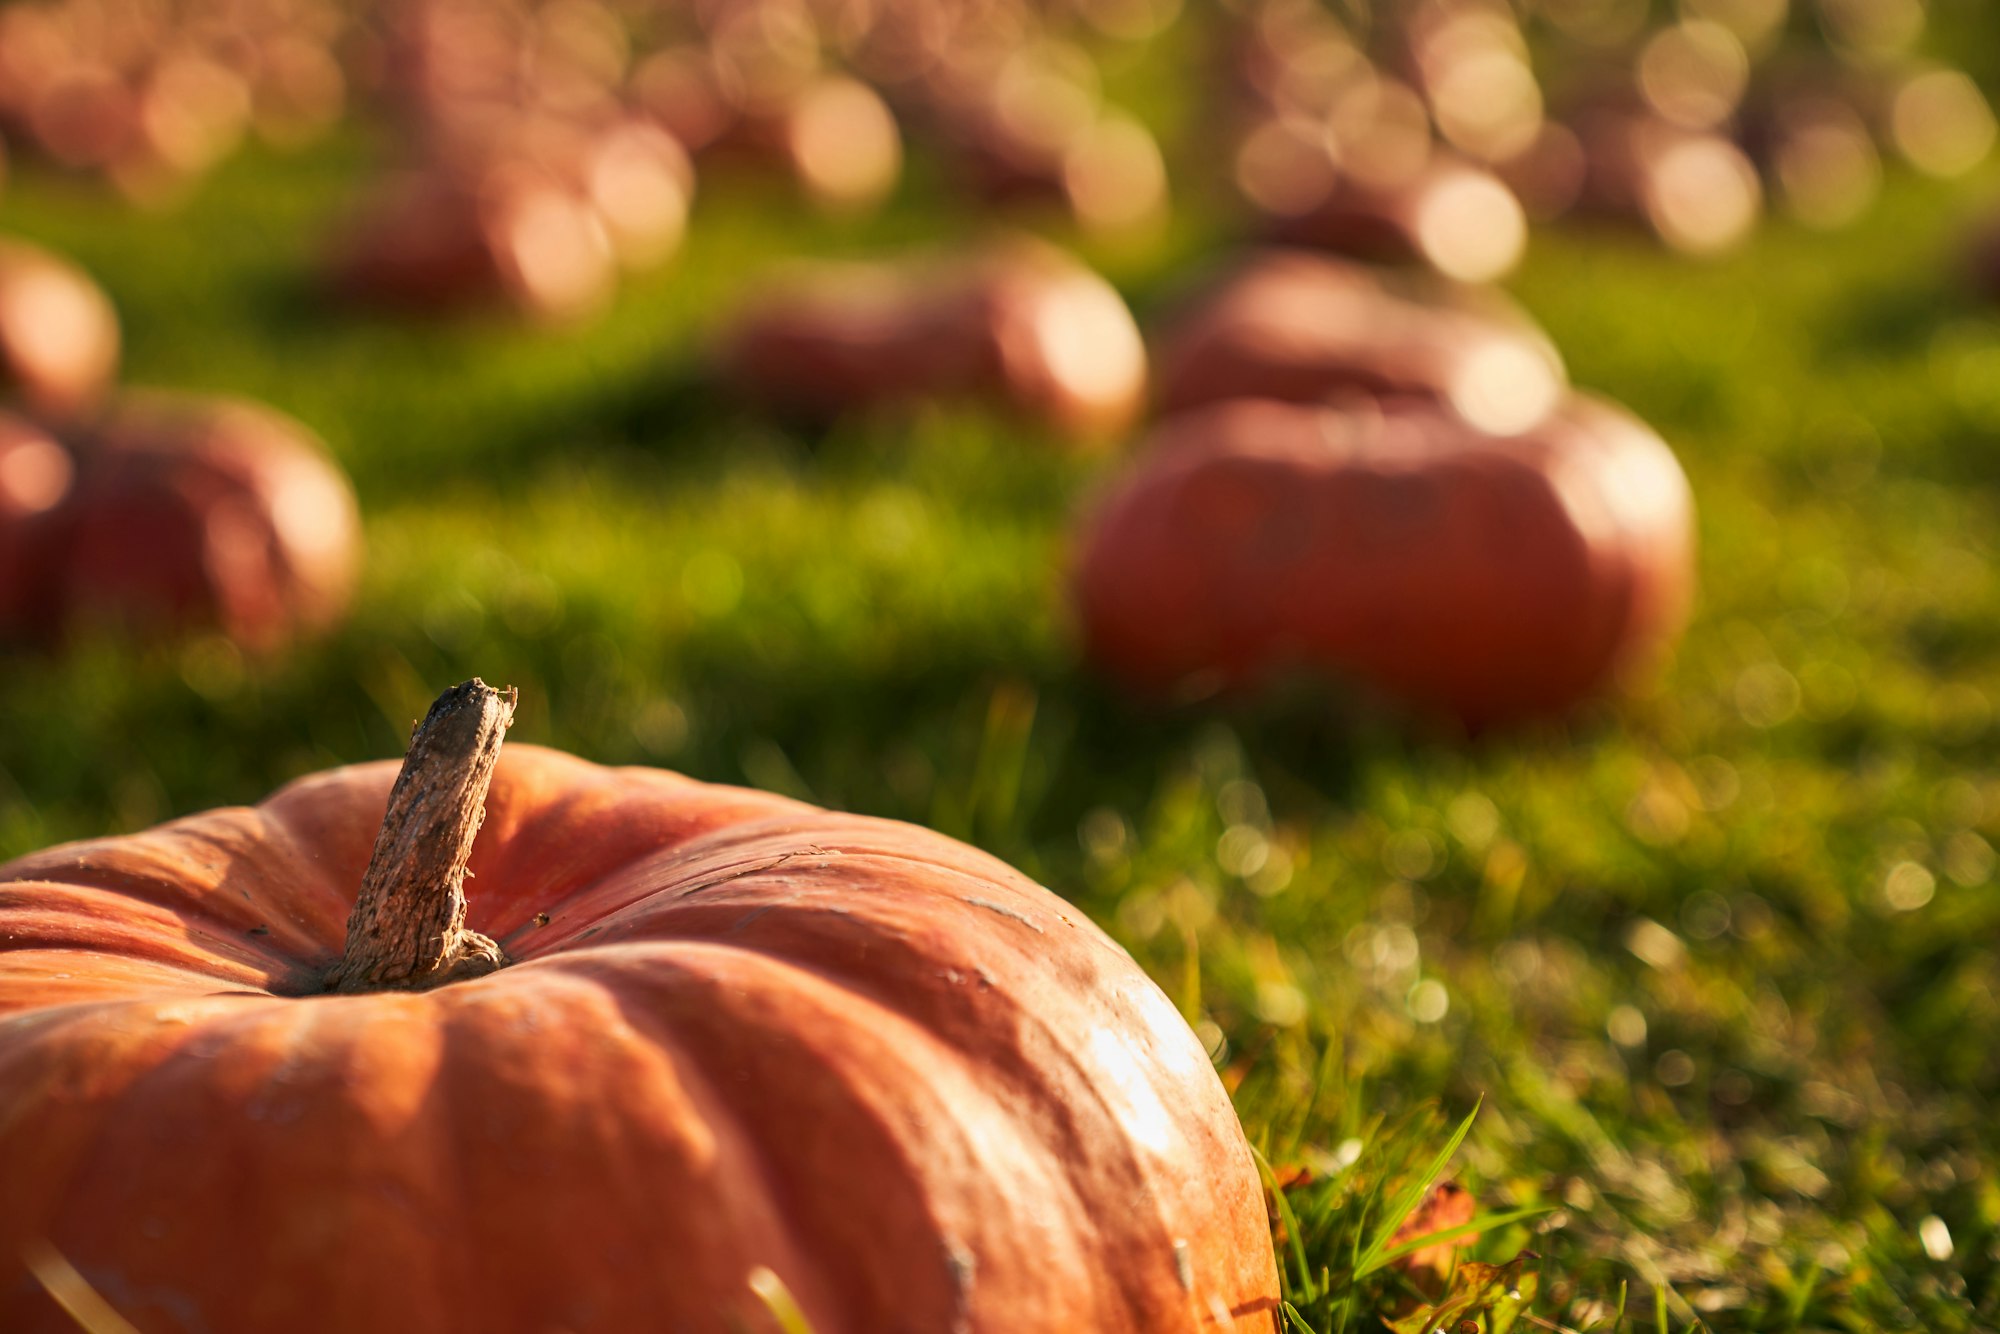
<point x="1295" y="1320"/>
<point x="778" y="1300"/>
<point x="1372" y="1259"/>
<point x="72" y="1291"/>
<point x="1289" y="1217"/>
<point x="1478" y="1223"/>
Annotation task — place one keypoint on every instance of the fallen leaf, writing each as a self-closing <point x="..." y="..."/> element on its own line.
<point x="1445" y="1206"/>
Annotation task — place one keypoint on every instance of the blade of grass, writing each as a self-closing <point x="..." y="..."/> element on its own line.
<point x="1802" y="1292"/>
<point x="1478" y="1223"/>
<point x="1295" y="1320"/>
<point x="1371" y="1259"/>
<point x="778" y="1300"/>
<point x="1289" y="1217"/>
<point x="72" y="1291"/>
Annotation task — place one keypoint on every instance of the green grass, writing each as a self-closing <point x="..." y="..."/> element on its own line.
<point x="1741" y="1085"/>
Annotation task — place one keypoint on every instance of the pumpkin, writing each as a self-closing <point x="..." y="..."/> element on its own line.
<point x="1484" y="577"/>
<point x="1020" y="324"/>
<point x="1035" y="137"/>
<point x="832" y="134"/>
<point x="58" y="332"/>
<point x="1305" y="327"/>
<point x="1695" y="189"/>
<point x="517" y="212"/>
<point x="645" y="1044"/>
<point x="174" y="512"/>
<point x="36" y="475"/>
<point x="1815" y="149"/>
<point x="1457" y="218"/>
<point x="440" y="240"/>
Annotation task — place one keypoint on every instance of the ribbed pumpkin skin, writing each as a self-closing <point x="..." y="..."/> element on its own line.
<point x="1486" y="577"/>
<point x="919" y="1088"/>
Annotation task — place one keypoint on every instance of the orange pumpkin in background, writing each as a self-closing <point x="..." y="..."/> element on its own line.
<point x="58" y="333"/>
<point x="1695" y="189"/>
<point x="174" y="513"/>
<point x="659" y="1047"/>
<point x="36" y="475"/>
<point x="435" y="242"/>
<point x="834" y="135"/>
<point x="1485" y="577"/>
<point x="1304" y="327"/>
<point x="1455" y="217"/>
<point x="516" y="212"/>
<point x="1022" y="325"/>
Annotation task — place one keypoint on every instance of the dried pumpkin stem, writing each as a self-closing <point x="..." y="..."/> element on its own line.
<point x="407" y="931"/>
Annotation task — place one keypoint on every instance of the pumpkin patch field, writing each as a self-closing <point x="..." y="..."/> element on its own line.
<point x="1635" y="991"/>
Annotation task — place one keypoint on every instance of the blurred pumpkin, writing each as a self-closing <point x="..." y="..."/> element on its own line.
<point x="834" y="135"/>
<point x="1021" y="324"/>
<point x="657" y="1044"/>
<point x="441" y="240"/>
<point x="174" y="513"/>
<point x="1310" y="328"/>
<point x="1694" y="188"/>
<point x="1458" y="218"/>
<point x="36" y="476"/>
<point x="1486" y="577"/>
<point x="58" y="332"/>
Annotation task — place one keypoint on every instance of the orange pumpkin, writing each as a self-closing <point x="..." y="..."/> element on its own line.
<point x="1021" y="324"/>
<point x="1695" y="188"/>
<point x="440" y="241"/>
<point x="733" y="1039"/>
<point x="174" y="512"/>
<point x="1487" y="577"/>
<point x="1294" y="325"/>
<point x="1457" y="217"/>
<point x="834" y="135"/>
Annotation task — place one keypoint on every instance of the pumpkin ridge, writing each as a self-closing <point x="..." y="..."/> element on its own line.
<point x="444" y="1154"/>
<point x="311" y="863"/>
<point x="63" y="919"/>
<point x="67" y="1125"/>
<point x="150" y="868"/>
<point x="637" y="967"/>
<point x="523" y="947"/>
<point x="664" y="899"/>
<point x="983" y="870"/>
<point x="709" y="842"/>
<point x="222" y="931"/>
<point x="1021" y="1076"/>
<point x="570" y="792"/>
<point x="35" y="980"/>
<point x="707" y="1095"/>
<point x="268" y="1077"/>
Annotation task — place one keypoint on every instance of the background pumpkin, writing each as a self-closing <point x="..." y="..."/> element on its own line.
<point x="1489" y="577"/>
<point x="1021" y="324"/>
<point x="1293" y="325"/>
<point x="738" y="1031"/>
<point x="174" y="512"/>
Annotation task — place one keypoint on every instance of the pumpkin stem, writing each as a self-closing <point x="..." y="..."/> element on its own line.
<point x="407" y="931"/>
